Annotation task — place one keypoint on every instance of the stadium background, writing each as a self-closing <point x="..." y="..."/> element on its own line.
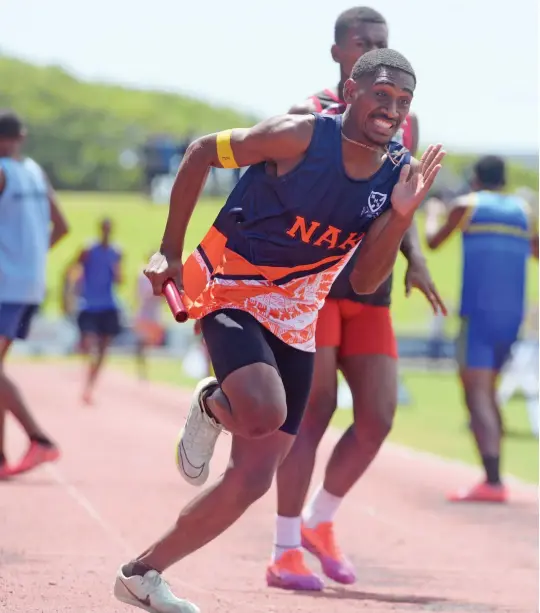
<point x="110" y="150"/>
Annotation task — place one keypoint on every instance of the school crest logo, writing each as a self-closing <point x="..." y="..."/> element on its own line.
<point x="376" y="201"/>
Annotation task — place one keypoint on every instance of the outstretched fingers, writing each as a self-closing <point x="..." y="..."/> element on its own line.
<point x="429" y="156"/>
<point x="431" y="168"/>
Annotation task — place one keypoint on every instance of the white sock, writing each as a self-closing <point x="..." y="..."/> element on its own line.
<point x="322" y="507"/>
<point x="287" y="536"/>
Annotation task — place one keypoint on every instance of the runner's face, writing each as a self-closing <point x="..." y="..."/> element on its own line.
<point x="10" y="146"/>
<point x="359" y="39"/>
<point x="379" y="103"/>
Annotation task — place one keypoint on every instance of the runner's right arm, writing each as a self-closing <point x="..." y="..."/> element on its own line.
<point x="279" y="139"/>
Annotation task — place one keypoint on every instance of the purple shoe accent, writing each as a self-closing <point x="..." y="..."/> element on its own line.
<point x="289" y="581"/>
<point x="340" y="571"/>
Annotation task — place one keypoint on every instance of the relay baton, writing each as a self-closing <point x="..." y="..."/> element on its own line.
<point x="174" y="300"/>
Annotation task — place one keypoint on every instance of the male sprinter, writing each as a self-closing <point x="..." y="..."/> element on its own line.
<point x="99" y="316"/>
<point x="30" y="223"/>
<point x="317" y="186"/>
<point x="497" y="239"/>
<point x="354" y="334"/>
<point x="357" y="31"/>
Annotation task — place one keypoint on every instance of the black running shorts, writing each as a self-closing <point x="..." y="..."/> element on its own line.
<point x="235" y="339"/>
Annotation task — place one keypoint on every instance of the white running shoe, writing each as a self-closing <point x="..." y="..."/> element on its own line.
<point x="150" y="593"/>
<point x="197" y="439"/>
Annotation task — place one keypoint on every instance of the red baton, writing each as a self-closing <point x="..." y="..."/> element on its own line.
<point x="175" y="302"/>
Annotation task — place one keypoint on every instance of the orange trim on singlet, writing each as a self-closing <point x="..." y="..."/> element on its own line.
<point x="233" y="264"/>
<point x="289" y="311"/>
<point x="213" y="245"/>
<point x="223" y="261"/>
<point x="217" y="278"/>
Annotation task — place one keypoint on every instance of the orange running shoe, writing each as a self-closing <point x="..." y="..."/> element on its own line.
<point x="321" y="542"/>
<point x="483" y="492"/>
<point x="290" y="572"/>
<point x="37" y="454"/>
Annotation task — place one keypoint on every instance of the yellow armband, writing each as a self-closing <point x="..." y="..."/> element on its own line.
<point x="224" y="149"/>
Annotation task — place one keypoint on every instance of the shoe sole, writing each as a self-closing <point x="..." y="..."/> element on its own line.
<point x="21" y="471"/>
<point x="121" y="594"/>
<point x="295" y="584"/>
<point x="477" y="500"/>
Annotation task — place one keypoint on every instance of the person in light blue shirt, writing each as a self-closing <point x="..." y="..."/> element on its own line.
<point x="497" y="239"/>
<point x="30" y="223"/>
<point x="98" y="313"/>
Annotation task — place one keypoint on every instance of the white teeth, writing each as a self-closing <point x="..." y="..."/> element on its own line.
<point x="383" y="124"/>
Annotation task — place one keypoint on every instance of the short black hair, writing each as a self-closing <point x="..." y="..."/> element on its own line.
<point x="11" y="125"/>
<point x="370" y="62"/>
<point x="351" y="17"/>
<point x="490" y="171"/>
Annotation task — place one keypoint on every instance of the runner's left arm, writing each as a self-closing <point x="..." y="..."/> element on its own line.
<point x="378" y="253"/>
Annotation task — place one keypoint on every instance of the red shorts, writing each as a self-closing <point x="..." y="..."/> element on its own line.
<point x="357" y="329"/>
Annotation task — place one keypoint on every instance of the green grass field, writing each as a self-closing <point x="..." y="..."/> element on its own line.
<point x="139" y="228"/>
<point x="435" y="421"/>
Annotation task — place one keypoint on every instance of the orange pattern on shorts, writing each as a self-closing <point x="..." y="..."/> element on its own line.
<point x="217" y="278"/>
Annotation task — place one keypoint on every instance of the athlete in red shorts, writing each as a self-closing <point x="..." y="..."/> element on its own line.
<point x="354" y="335"/>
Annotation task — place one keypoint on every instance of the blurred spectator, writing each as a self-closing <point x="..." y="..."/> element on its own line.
<point x="149" y="330"/>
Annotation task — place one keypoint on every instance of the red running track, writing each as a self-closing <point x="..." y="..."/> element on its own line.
<point x="65" y="529"/>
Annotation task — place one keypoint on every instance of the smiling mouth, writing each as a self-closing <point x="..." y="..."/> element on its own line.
<point x="385" y="125"/>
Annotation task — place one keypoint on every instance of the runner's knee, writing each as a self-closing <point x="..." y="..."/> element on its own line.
<point x="374" y="421"/>
<point x="257" y="397"/>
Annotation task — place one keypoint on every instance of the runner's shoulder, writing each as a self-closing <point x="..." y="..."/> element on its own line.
<point x="304" y="108"/>
<point x="317" y="103"/>
<point x="289" y="123"/>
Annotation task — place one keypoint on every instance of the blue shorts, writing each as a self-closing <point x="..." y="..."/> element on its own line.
<point x="15" y="319"/>
<point x="483" y="344"/>
<point x="100" y="323"/>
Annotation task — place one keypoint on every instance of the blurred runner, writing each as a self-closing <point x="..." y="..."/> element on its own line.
<point x="498" y="238"/>
<point x="99" y="314"/>
<point x="30" y="224"/>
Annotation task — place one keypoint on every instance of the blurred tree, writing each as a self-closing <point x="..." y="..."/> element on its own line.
<point x="79" y="130"/>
